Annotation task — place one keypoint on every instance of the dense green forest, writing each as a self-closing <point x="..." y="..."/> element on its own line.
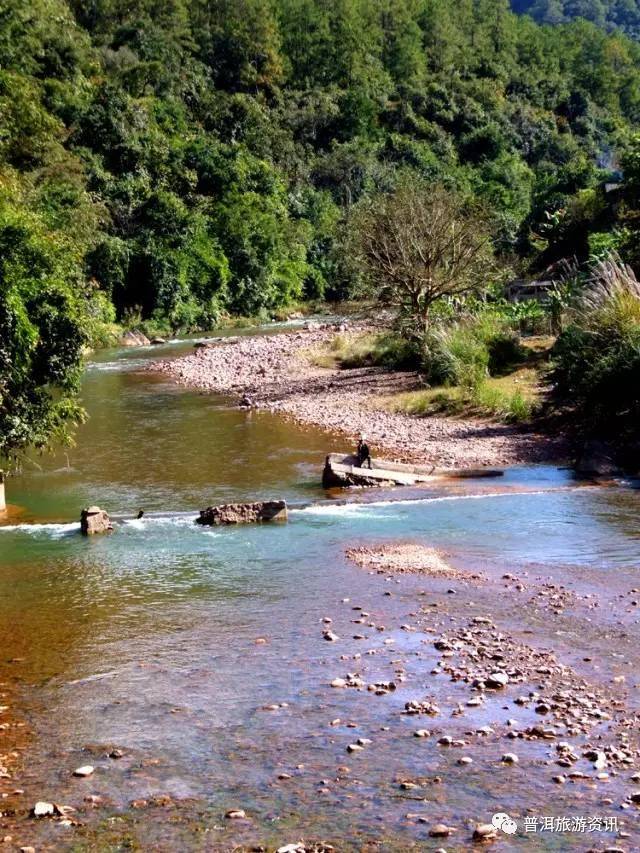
<point x="620" y="14"/>
<point x="165" y="161"/>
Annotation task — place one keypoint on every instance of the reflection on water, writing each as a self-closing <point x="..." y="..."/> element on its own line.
<point x="145" y="638"/>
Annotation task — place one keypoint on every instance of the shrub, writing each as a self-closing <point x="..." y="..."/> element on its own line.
<point x="596" y="360"/>
<point x="466" y="352"/>
<point x="391" y="351"/>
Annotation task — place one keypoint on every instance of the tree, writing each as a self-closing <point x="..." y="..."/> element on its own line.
<point x="42" y="334"/>
<point x="421" y="244"/>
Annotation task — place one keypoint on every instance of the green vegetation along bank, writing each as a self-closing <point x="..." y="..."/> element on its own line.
<point x="163" y="162"/>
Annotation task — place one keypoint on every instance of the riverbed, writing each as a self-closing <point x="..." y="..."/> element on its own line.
<point x="188" y="665"/>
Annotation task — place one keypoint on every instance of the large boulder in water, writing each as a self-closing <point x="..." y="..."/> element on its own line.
<point x="94" y="520"/>
<point x="244" y="513"/>
<point x="134" y="338"/>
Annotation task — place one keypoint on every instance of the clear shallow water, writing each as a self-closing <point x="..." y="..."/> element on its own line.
<point x="146" y="639"/>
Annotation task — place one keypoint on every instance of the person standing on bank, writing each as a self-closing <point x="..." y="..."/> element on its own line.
<point x="363" y="453"/>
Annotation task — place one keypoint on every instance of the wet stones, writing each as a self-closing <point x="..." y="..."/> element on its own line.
<point x="497" y="680"/>
<point x="42" y="809"/>
<point x="94" y="520"/>
<point x="440" y="830"/>
<point x="426" y="707"/>
<point x="330" y="636"/>
<point x="484" y="832"/>
<point x="236" y="814"/>
<point x="509" y="758"/>
<point x="251" y="513"/>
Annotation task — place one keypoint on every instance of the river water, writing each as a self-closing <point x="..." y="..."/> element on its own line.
<point x="145" y="640"/>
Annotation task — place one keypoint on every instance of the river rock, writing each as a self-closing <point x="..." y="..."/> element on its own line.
<point x="134" y="338"/>
<point x="94" y="520"/>
<point x="42" y="809"/>
<point x="497" y="680"/>
<point x="440" y="830"/>
<point x="158" y="341"/>
<point x="235" y="814"/>
<point x="243" y="513"/>
<point x="484" y="832"/>
<point x="86" y="770"/>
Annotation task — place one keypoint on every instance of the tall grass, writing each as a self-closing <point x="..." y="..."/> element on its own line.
<point x="596" y="360"/>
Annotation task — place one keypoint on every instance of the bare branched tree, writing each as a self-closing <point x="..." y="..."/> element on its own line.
<point x="420" y="244"/>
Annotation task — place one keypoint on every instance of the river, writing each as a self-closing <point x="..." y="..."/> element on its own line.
<point x="167" y="641"/>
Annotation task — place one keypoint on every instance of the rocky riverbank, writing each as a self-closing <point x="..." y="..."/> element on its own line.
<point x="277" y="373"/>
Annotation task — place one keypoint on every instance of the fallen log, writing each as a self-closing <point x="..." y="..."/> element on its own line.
<point x="250" y="513"/>
<point x="341" y="471"/>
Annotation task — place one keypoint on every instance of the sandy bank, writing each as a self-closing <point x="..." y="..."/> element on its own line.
<point x="276" y="373"/>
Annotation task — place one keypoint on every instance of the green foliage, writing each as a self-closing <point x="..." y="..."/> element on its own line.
<point x="596" y="360"/>
<point x="41" y="334"/>
<point x="378" y="350"/>
<point x="206" y="157"/>
<point x="466" y="352"/>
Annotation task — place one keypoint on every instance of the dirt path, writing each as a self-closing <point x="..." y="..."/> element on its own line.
<point x="276" y="373"/>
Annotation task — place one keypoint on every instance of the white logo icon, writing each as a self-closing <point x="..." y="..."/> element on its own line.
<point x="501" y="820"/>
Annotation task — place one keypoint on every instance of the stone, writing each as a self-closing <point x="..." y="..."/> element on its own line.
<point x="440" y="830"/>
<point x="497" y="680"/>
<point x="243" y="513"/>
<point x="484" y="832"/>
<point x="510" y="758"/>
<point x="330" y="636"/>
<point x="42" y="809"/>
<point x="85" y="770"/>
<point x="158" y="341"/>
<point x="338" y="682"/>
<point x="94" y="520"/>
<point x="134" y="338"/>
<point x="235" y="814"/>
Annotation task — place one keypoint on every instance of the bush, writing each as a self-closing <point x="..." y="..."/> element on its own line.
<point x="596" y="360"/>
<point x="388" y="350"/>
<point x="467" y="352"/>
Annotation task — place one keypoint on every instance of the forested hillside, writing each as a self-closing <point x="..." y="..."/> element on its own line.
<point x="621" y="14"/>
<point x="193" y="157"/>
<point x="163" y="161"/>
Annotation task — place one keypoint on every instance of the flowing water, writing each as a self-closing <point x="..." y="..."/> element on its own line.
<point x="145" y="640"/>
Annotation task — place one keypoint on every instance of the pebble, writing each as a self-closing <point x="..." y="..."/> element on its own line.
<point x="497" y="680"/>
<point x="235" y="814"/>
<point x="510" y="758"/>
<point x="484" y="832"/>
<point x="85" y="770"/>
<point x="42" y="809"/>
<point x="440" y="830"/>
